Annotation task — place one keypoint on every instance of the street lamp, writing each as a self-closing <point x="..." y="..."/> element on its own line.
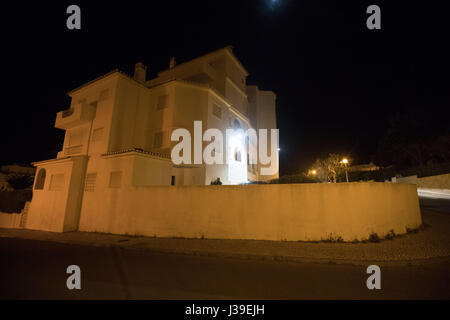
<point x="314" y="172"/>
<point x="345" y="162"/>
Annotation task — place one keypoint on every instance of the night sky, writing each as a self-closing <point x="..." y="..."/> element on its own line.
<point x="337" y="83"/>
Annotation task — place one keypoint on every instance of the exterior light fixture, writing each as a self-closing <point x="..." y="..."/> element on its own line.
<point x="345" y="162"/>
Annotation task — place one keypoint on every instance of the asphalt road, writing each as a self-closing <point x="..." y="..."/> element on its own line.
<point x="439" y="205"/>
<point x="37" y="269"/>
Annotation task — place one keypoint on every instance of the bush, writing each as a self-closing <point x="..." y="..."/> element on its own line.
<point x="216" y="182"/>
<point x="14" y="201"/>
<point x="20" y="181"/>
<point x="295" y="178"/>
<point x="374" y="237"/>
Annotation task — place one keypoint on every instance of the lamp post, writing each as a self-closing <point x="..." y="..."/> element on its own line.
<point x="345" y="162"/>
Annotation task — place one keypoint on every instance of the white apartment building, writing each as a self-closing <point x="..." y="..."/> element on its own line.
<point x="118" y="135"/>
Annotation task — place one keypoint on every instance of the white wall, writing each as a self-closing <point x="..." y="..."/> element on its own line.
<point x="57" y="208"/>
<point x="10" y="220"/>
<point x="271" y="212"/>
<point x="14" y="220"/>
<point x="435" y="182"/>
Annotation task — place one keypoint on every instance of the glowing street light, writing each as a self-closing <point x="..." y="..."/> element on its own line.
<point x="345" y="162"/>
<point x="314" y="172"/>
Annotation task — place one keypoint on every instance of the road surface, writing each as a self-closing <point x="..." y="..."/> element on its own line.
<point x="37" y="269"/>
<point x="32" y="269"/>
<point x="441" y="205"/>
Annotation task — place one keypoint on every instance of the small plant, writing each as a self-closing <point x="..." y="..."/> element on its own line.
<point x="390" y="235"/>
<point x="409" y="230"/>
<point x="216" y="182"/>
<point x="332" y="238"/>
<point x="374" y="237"/>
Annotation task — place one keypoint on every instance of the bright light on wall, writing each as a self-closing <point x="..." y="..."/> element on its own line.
<point x="237" y="166"/>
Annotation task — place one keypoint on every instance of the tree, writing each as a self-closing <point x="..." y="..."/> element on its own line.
<point x="20" y="181"/>
<point x="329" y="168"/>
<point x="406" y="141"/>
<point x="440" y="148"/>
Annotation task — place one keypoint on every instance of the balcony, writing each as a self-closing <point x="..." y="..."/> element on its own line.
<point x="201" y="73"/>
<point x="68" y="151"/>
<point x="76" y="115"/>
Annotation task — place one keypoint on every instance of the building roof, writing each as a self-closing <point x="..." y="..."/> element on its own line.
<point x="115" y="71"/>
<point x="227" y="49"/>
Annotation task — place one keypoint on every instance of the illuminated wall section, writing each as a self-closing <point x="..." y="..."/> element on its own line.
<point x="236" y="157"/>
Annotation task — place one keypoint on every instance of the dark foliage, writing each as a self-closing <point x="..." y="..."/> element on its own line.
<point x="20" y="181"/>
<point x="295" y="178"/>
<point x="14" y="201"/>
<point x="414" y="139"/>
<point x="216" y="182"/>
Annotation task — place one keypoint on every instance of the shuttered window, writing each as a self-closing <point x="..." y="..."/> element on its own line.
<point x="57" y="182"/>
<point x="91" y="180"/>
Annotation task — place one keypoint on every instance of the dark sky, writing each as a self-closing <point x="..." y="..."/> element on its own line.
<point x="337" y="83"/>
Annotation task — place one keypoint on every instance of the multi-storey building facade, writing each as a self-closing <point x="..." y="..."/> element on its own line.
<point x="118" y="134"/>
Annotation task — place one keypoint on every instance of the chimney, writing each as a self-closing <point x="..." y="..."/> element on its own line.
<point x="140" y="72"/>
<point x="172" y="63"/>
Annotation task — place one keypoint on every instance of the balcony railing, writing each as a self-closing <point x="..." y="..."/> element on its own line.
<point x="67" y="112"/>
<point x="73" y="150"/>
<point x="74" y="116"/>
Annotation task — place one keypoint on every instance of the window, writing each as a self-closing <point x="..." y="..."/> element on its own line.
<point x="162" y="102"/>
<point x="56" y="182"/>
<point x="115" y="179"/>
<point x="217" y="111"/>
<point x="236" y="124"/>
<point x="97" y="134"/>
<point x="158" y="139"/>
<point x="75" y="138"/>
<point x="89" y="184"/>
<point x="237" y="155"/>
<point x="40" y="180"/>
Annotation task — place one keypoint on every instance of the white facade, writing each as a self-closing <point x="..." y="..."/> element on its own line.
<point x="118" y="131"/>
